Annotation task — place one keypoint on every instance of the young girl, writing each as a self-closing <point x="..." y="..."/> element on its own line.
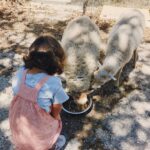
<point x="34" y="114"/>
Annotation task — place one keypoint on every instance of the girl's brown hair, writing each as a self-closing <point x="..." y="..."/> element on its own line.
<point x="45" y="53"/>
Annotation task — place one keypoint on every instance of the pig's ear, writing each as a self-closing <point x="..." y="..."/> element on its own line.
<point x="112" y="77"/>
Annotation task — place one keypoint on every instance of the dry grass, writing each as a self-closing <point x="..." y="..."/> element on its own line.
<point x="105" y="24"/>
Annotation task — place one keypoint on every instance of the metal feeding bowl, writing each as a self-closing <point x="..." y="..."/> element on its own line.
<point x="69" y="107"/>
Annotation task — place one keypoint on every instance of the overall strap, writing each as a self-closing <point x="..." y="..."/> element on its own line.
<point x="41" y="83"/>
<point x="23" y="78"/>
<point x="38" y="85"/>
<point x="30" y="93"/>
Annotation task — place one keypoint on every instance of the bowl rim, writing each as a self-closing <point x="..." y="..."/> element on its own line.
<point x="81" y="112"/>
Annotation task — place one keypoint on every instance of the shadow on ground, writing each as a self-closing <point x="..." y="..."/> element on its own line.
<point x="128" y="126"/>
<point x="4" y="141"/>
<point x="94" y="131"/>
<point x="84" y="128"/>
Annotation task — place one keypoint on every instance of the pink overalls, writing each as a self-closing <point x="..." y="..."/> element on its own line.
<point x="32" y="128"/>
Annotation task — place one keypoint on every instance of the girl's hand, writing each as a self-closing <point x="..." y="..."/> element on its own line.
<point x="58" y="117"/>
<point x="55" y="111"/>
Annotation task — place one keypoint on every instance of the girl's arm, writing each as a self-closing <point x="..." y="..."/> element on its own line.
<point x="55" y="111"/>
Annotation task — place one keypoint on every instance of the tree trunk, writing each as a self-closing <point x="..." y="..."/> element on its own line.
<point x="85" y="4"/>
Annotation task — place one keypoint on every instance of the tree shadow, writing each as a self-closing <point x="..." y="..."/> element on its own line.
<point x="85" y="128"/>
<point x="109" y="95"/>
<point x="3" y="114"/>
<point x="128" y="125"/>
<point x="125" y="127"/>
<point x="131" y="116"/>
<point x="5" y="143"/>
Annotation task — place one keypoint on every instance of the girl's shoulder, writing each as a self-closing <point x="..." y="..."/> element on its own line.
<point x="51" y="90"/>
<point x="53" y="81"/>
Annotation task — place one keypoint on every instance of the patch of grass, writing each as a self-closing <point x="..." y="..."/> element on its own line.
<point x="105" y="24"/>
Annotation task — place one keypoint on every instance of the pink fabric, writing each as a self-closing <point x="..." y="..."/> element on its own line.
<point x="32" y="128"/>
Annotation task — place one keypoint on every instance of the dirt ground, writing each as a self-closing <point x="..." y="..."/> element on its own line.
<point x="17" y="31"/>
